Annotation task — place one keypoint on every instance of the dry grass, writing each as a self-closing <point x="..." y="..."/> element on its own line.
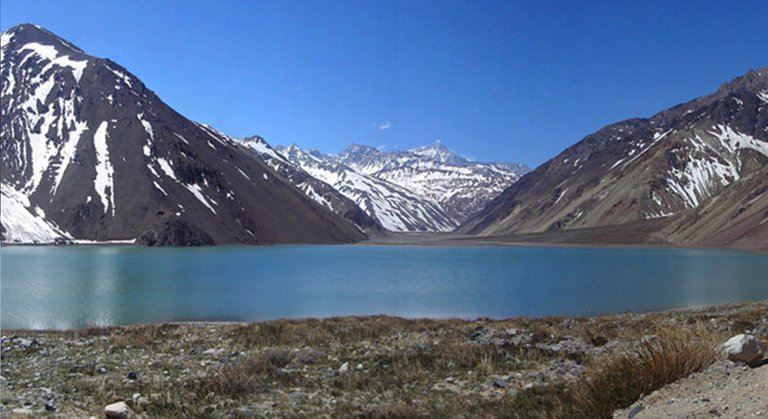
<point x="254" y="374"/>
<point x="405" y="365"/>
<point x="619" y="379"/>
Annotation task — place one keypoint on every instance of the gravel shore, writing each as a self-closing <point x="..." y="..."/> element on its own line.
<point x="354" y="366"/>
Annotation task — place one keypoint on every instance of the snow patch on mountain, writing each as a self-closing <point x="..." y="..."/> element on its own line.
<point x="104" y="182"/>
<point x="23" y="224"/>
<point x="50" y="53"/>
<point x="435" y="173"/>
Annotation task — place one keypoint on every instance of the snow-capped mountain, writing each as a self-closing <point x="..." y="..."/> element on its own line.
<point x="321" y="192"/>
<point x="90" y="153"/>
<point x="395" y="208"/>
<point x="460" y="186"/>
<point x="680" y="164"/>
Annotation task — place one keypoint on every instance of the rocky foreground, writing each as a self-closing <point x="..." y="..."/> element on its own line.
<point x="383" y="367"/>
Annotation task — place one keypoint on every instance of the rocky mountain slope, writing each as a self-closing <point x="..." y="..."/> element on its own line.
<point x="394" y="207"/>
<point x="460" y="186"/>
<point x="429" y="188"/>
<point x="89" y="152"/>
<point x="699" y="168"/>
<point x="321" y="192"/>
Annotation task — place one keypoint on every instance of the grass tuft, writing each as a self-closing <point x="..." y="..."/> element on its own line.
<point x="620" y="378"/>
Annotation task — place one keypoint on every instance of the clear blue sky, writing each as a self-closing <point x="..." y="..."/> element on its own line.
<point x="502" y="81"/>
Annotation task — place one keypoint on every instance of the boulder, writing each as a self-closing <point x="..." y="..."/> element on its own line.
<point x="119" y="410"/>
<point x="744" y="348"/>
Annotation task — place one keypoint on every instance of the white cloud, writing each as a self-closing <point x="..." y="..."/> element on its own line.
<point x="385" y="126"/>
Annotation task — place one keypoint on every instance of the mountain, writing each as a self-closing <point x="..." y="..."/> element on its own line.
<point x="90" y="153"/>
<point x="321" y="192"/>
<point x="461" y="187"/>
<point x="394" y="207"/>
<point x="693" y="174"/>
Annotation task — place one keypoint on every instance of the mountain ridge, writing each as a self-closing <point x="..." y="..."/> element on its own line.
<point x="435" y="187"/>
<point x="669" y="165"/>
<point x="103" y="158"/>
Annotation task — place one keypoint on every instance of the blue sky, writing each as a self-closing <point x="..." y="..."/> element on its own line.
<point x="496" y="81"/>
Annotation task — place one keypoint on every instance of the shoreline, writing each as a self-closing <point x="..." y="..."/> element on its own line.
<point x="460" y="241"/>
<point x="705" y="309"/>
<point x="350" y="366"/>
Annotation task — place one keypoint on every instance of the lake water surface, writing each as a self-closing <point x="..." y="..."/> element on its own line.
<point x="64" y="287"/>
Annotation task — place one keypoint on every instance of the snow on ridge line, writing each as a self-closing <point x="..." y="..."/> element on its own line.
<point x="6" y="38"/>
<point x="51" y="54"/>
<point x="120" y="75"/>
<point x="104" y="181"/>
<point x="262" y="147"/>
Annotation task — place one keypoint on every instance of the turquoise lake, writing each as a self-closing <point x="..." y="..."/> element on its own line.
<point x="65" y="287"/>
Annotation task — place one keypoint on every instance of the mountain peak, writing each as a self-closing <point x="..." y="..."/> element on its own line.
<point x="359" y="149"/>
<point x="26" y="33"/>
<point x="752" y="81"/>
<point x="440" y="153"/>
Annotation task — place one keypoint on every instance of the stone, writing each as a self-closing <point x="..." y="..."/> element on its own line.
<point x="344" y="368"/>
<point x="744" y="348"/>
<point x="499" y="383"/>
<point x="119" y="410"/>
<point x="22" y="413"/>
<point x="50" y="406"/>
<point x="359" y="367"/>
<point x="635" y="411"/>
<point x="27" y="343"/>
<point x="132" y="375"/>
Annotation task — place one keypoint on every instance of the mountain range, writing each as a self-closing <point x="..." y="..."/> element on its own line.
<point x="429" y="188"/>
<point x="90" y="154"/>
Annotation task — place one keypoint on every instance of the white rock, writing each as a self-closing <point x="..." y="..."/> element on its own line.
<point x="744" y="348"/>
<point x="22" y="413"/>
<point x="359" y="367"/>
<point x="344" y="368"/>
<point x="119" y="410"/>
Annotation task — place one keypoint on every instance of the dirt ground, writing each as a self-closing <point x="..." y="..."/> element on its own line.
<point x="725" y="389"/>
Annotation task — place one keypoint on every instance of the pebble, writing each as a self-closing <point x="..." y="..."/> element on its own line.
<point x="344" y="368"/>
<point x="132" y="375"/>
<point x="499" y="383"/>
